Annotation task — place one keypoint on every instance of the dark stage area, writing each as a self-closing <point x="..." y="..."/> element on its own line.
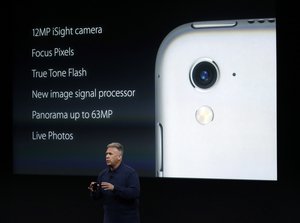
<point x="66" y="199"/>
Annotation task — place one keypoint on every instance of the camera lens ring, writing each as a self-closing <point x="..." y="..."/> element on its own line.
<point x="204" y="73"/>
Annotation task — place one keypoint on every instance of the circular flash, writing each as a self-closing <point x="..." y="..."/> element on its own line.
<point x="204" y="115"/>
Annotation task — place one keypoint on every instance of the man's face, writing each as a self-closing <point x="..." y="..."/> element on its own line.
<point x="113" y="156"/>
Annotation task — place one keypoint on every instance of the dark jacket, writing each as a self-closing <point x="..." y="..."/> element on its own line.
<point x="122" y="204"/>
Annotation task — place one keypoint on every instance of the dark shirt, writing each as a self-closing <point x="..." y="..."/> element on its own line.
<point x="122" y="204"/>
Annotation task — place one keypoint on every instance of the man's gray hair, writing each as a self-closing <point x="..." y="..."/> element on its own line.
<point x="117" y="145"/>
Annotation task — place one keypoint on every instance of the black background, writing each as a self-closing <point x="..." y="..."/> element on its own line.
<point x="38" y="198"/>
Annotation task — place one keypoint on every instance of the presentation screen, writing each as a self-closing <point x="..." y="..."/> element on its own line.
<point x="190" y="96"/>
